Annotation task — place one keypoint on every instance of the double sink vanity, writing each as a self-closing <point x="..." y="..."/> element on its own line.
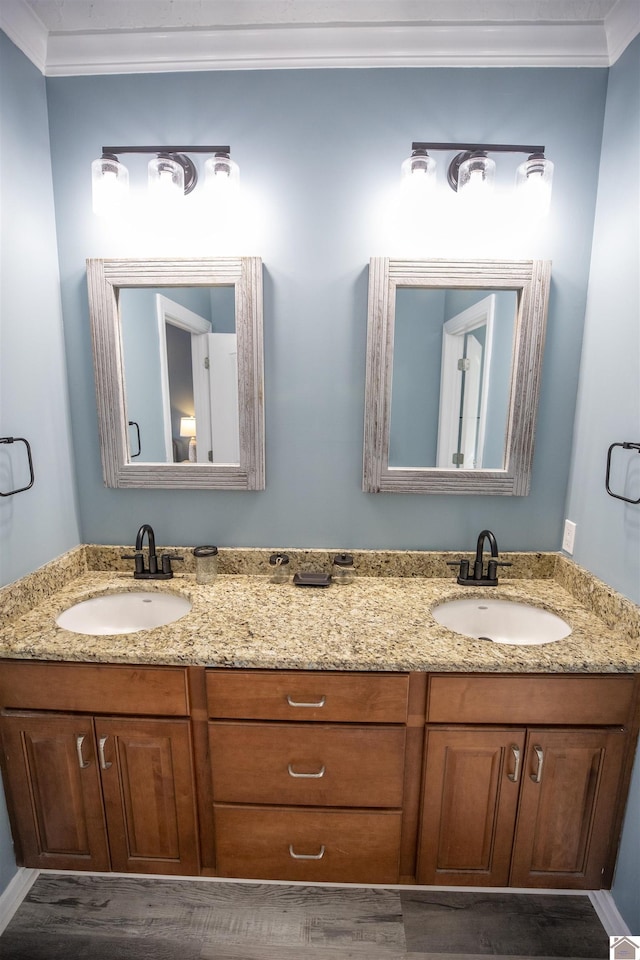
<point x="337" y="734"/>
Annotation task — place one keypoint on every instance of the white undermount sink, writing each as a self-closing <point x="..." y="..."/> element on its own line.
<point x="124" y="612"/>
<point x="503" y="621"/>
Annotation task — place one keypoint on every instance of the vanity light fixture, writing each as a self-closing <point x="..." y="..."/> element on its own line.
<point x="472" y="170"/>
<point x="171" y="173"/>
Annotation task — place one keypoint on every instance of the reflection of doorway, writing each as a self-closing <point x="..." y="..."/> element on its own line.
<point x="198" y="372"/>
<point x="464" y="386"/>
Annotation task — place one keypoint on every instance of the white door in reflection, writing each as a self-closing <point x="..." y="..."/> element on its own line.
<point x="464" y="386"/>
<point x="200" y="381"/>
<point x="215" y="388"/>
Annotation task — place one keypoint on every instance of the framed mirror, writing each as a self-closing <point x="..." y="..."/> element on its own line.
<point x="178" y="361"/>
<point x="454" y="357"/>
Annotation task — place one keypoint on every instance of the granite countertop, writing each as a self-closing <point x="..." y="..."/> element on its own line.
<point x="379" y="622"/>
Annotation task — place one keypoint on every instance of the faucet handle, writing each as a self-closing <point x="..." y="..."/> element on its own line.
<point x="492" y="567"/>
<point x="138" y="556"/>
<point x="166" y="562"/>
<point x="463" y="567"/>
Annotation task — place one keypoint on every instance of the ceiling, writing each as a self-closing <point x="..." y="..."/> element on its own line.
<point x="76" y="37"/>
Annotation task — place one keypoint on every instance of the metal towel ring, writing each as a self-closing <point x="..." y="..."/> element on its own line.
<point x="10" y="493"/>
<point x="625" y="446"/>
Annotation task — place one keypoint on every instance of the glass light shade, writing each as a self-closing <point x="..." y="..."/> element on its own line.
<point x="533" y="183"/>
<point x="166" y="179"/>
<point x="419" y="167"/>
<point x="476" y="175"/>
<point x="110" y="185"/>
<point x="187" y="426"/>
<point x="220" y="172"/>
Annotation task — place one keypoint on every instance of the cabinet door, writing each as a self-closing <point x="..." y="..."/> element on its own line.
<point x="147" y="784"/>
<point x="472" y="779"/>
<point x="53" y="786"/>
<point x="567" y="807"/>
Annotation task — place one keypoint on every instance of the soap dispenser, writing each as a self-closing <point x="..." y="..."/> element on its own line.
<point x="279" y="563"/>
<point x="343" y="571"/>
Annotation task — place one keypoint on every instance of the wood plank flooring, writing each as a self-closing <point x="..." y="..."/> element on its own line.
<point x="70" y="917"/>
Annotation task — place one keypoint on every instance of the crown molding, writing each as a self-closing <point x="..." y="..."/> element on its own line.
<point x="391" y="45"/>
<point x="622" y="26"/>
<point x="301" y="46"/>
<point x="27" y="31"/>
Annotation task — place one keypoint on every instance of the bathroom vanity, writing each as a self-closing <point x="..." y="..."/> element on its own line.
<point x="395" y="752"/>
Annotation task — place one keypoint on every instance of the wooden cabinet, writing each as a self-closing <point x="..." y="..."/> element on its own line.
<point x="534" y="806"/>
<point x="472" y="780"/>
<point x="53" y="786"/>
<point x="570" y="786"/>
<point x="449" y="779"/>
<point x="90" y="792"/>
<point x="147" y="785"/>
<point x="308" y="799"/>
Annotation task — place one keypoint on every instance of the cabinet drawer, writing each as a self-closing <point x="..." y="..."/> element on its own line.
<point x="94" y="688"/>
<point x="282" y="843"/>
<point x="527" y="699"/>
<point x="308" y="695"/>
<point x="315" y="765"/>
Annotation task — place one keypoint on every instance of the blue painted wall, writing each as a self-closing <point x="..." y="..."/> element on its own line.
<point x="608" y="530"/>
<point x="41" y="523"/>
<point x="319" y="154"/>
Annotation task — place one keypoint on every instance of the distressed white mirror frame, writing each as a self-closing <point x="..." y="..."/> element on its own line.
<point x="105" y="279"/>
<point x="531" y="280"/>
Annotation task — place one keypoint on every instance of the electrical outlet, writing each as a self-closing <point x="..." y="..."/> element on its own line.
<point x="569" y="536"/>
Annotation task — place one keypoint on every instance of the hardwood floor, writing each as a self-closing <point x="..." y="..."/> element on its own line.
<point x="70" y="917"/>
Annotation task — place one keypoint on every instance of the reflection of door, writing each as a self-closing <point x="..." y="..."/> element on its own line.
<point x="470" y="409"/>
<point x="215" y="387"/>
<point x="212" y="371"/>
<point x="172" y="314"/>
<point x="223" y="384"/>
<point x="464" y="386"/>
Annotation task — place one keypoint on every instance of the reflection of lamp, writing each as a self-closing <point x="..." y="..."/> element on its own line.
<point x="188" y="429"/>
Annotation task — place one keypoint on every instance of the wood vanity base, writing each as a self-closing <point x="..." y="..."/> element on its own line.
<point x="441" y="779"/>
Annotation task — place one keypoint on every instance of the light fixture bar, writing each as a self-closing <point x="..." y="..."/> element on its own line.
<point x="168" y="149"/>
<point x="473" y="147"/>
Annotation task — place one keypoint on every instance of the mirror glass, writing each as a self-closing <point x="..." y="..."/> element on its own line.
<point x="451" y="376"/>
<point x="178" y="362"/>
<point x="454" y="356"/>
<point x="179" y="344"/>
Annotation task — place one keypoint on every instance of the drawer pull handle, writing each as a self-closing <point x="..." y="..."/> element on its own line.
<point x="294" y="703"/>
<point x="81" y="761"/>
<point x="516" y="763"/>
<point x="104" y="763"/>
<point x="306" y="856"/>
<point x="537" y="776"/>
<point x="306" y="776"/>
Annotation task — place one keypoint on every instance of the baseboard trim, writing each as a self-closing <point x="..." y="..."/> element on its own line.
<point x="14" y="893"/>
<point x="608" y="914"/>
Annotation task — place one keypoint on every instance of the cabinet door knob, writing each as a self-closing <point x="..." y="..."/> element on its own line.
<point x="515" y="749"/>
<point x="83" y="764"/>
<point x="306" y="776"/>
<point x="306" y="856"/>
<point x="295" y="703"/>
<point x="537" y="776"/>
<point x="104" y="763"/>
